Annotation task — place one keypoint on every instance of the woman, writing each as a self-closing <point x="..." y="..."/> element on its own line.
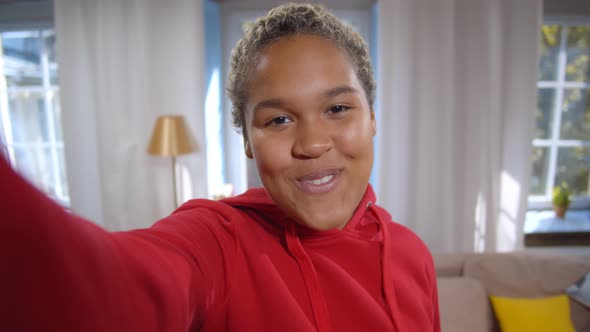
<point x="309" y="251"/>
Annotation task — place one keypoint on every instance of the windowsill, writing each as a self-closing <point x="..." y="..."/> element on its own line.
<point x="544" y="221"/>
<point x="542" y="228"/>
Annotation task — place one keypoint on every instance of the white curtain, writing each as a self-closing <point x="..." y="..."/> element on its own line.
<point x="456" y="101"/>
<point x="121" y="64"/>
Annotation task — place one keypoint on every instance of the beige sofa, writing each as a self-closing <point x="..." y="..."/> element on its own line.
<point x="465" y="282"/>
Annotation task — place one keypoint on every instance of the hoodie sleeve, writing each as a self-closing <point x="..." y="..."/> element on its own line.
<point x="62" y="273"/>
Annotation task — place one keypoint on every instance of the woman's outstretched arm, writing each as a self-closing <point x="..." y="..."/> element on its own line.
<point x="62" y="273"/>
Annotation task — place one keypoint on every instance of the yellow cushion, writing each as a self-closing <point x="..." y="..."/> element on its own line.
<point x="549" y="314"/>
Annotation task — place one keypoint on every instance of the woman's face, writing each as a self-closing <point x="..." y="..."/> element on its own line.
<point x="310" y="128"/>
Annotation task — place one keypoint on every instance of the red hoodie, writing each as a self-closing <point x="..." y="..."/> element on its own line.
<point x="235" y="265"/>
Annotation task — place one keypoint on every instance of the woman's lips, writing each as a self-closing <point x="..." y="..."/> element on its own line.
<point x="319" y="182"/>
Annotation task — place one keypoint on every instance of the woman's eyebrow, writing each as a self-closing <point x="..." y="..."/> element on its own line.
<point x="269" y="103"/>
<point x="340" y="90"/>
<point x="280" y="103"/>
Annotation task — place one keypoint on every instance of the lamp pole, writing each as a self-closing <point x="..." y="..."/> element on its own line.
<point x="171" y="137"/>
<point x="174" y="182"/>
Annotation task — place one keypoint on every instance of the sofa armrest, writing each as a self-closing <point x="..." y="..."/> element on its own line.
<point x="464" y="305"/>
<point x="449" y="265"/>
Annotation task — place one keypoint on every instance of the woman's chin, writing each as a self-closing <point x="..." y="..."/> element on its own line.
<point x="321" y="222"/>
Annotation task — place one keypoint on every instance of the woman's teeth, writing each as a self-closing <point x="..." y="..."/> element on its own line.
<point x="322" y="180"/>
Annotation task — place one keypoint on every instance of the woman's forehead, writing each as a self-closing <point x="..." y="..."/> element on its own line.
<point x="301" y="57"/>
<point x="299" y="45"/>
<point x="301" y="66"/>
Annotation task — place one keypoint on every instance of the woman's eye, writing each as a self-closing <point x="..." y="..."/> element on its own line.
<point x="279" y="120"/>
<point x="338" y="109"/>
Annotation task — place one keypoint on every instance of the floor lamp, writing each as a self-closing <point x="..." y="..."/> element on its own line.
<point x="171" y="137"/>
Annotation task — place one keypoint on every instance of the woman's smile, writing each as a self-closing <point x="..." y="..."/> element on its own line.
<point x="319" y="182"/>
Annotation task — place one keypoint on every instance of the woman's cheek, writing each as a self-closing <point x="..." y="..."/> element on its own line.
<point x="271" y="153"/>
<point x="354" y="134"/>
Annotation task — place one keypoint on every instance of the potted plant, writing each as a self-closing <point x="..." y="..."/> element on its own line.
<point x="561" y="200"/>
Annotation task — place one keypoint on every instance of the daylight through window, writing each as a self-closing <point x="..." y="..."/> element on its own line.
<point x="30" y="117"/>
<point x="562" y="139"/>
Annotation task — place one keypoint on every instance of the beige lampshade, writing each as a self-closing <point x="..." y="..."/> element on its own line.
<point x="171" y="137"/>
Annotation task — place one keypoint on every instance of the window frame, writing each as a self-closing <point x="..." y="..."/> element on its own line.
<point x="49" y="92"/>
<point x="553" y="143"/>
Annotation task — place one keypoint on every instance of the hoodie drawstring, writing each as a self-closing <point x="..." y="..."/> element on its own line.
<point x="310" y="277"/>
<point x="386" y="274"/>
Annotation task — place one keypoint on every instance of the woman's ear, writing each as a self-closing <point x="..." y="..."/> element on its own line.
<point x="248" y="149"/>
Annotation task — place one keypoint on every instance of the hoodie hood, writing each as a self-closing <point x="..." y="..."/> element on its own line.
<point x="259" y="200"/>
<point x="367" y="220"/>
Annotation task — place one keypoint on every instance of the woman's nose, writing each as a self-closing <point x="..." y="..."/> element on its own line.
<point x="313" y="139"/>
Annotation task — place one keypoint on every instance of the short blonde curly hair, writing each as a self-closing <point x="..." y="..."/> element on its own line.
<point x="287" y="20"/>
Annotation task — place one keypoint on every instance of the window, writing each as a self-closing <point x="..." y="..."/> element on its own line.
<point x="562" y="137"/>
<point x="30" y="117"/>
<point x="561" y="146"/>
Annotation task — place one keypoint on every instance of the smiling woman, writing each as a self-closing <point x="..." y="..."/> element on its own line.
<point x="311" y="251"/>
<point x="310" y="127"/>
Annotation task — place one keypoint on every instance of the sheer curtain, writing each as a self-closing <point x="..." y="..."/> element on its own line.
<point x="123" y="63"/>
<point x="456" y="101"/>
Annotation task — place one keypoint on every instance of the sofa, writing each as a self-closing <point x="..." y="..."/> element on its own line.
<point x="465" y="282"/>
